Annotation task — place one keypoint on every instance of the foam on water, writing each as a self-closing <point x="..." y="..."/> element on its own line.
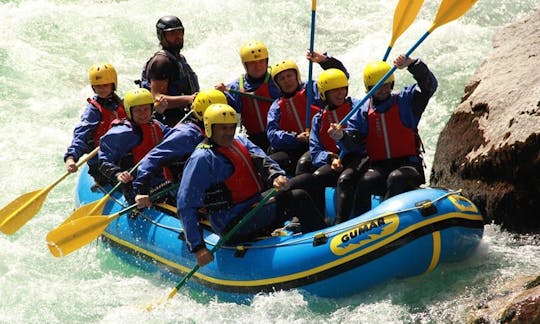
<point x="47" y="47"/>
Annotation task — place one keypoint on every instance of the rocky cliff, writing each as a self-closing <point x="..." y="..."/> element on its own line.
<point x="490" y="147"/>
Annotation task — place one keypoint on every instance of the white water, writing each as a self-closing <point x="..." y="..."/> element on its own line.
<point x="46" y="49"/>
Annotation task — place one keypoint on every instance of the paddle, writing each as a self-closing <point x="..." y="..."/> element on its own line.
<point x="21" y="210"/>
<point x="216" y="247"/>
<point x="448" y="10"/>
<point x="310" y="69"/>
<point x="77" y="233"/>
<point x="251" y="95"/>
<point x="404" y="15"/>
<point x="96" y="207"/>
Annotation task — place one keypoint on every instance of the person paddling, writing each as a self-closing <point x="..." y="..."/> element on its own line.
<point x="129" y="139"/>
<point x="388" y="125"/>
<point x="96" y="119"/>
<point x="225" y="176"/>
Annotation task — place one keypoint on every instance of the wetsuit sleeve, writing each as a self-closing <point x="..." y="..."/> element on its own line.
<point x="426" y="83"/>
<point x="83" y="133"/>
<point x="333" y="63"/>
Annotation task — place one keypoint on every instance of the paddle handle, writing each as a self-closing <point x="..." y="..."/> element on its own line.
<point x="309" y="84"/>
<point x="380" y="83"/>
<point x="79" y="164"/>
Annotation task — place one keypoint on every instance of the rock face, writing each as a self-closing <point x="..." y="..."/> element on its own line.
<point x="515" y="302"/>
<point x="490" y="147"/>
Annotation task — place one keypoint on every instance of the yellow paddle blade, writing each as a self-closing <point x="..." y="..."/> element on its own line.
<point x="450" y="10"/>
<point x="21" y="210"/>
<point x="93" y="208"/>
<point x="73" y="235"/>
<point x="406" y="12"/>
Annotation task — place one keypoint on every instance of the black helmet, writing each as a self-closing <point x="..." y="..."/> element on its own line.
<point x="167" y="23"/>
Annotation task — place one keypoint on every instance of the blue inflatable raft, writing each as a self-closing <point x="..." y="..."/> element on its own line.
<point x="407" y="235"/>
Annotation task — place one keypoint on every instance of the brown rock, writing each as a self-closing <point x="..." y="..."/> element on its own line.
<point x="490" y="147"/>
<point x="516" y="302"/>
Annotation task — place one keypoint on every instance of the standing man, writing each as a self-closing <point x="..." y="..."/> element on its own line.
<point x="167" y="74"/>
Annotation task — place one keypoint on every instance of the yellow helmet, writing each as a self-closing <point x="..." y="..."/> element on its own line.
<point x="253" y="51"/>
<point x="331" y="79"/>
<point x="283" y="66"/>
<point x="103" y="74"/>
<point x="218" y="114"/>
<point x="374" y="72"/>
<point x="137" y="97"/>
<point x="206" y="98"/>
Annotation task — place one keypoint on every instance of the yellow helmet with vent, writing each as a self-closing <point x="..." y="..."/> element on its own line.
<point x="331" y="79"/>
<point x="206" y="98"/>
<point x="137" y="97"/>
<point x="218" y="114"/>
<point x="374" y="72"/>
<point x="283" y="66"/>
<point x="253" y="51"/>
<point x="104" y="73"/>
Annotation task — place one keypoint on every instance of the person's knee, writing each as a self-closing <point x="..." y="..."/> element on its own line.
<point x="403" y="178"/>
<point x="346" y="180"/>
<point x="303" y="166"/>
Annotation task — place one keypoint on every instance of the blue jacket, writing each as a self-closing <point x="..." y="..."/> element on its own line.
<point x="83" y="132"/>
<point x="205" y="167"/>
<point x="412" y="101"/>
<point x="116" y="145"/>
<point x="176" y="147"/>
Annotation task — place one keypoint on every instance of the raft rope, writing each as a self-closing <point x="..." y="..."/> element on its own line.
<point x="297" y="241"/>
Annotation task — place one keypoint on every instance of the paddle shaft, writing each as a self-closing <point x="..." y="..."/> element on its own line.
<point x="225" y="238"/>
<point x="448" y="11"/>
<point x="79" y="164"/>
<point x="75" y="234"/>
<point x="21" y="210"/>
<point x="309" y="84"/>
<point x="251" y="95"/>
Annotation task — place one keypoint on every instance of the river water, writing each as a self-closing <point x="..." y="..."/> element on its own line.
<point x="46" y="49"/>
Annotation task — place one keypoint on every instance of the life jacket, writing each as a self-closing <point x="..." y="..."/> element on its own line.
<point x="244" y="182"/>
<point x="332" y="116"/>
<point x="151" y="135"/>
<point x="107" y="117"/>
<point x="254" y="111"/>
<point x="387" y="137"/>
<point x="187" y="82"/>
<point x="293" y="112"/>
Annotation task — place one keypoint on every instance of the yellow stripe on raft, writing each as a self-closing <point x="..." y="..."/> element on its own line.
<point x="302" y="274"/>
<point x="436" y="251"/>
